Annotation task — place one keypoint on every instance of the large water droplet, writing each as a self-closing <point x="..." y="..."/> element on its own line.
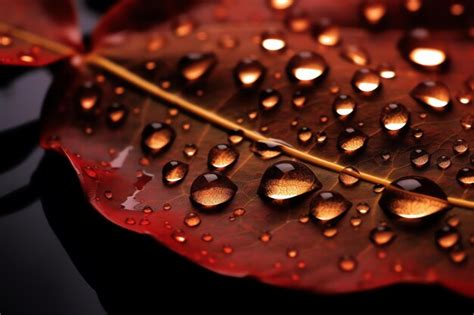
<point x="433" y="94"/>
<point x="351" y="141"/>
<point x="157" y="137"/>
<point x="306" y="67"/>
<point x="196" y="66"/>
<point x="395" y="119"/>
<point x="418" y="47"/>
<point x="413" y="197"/>
<point x="269" y="99"/>
<point x="116" y="115"/>
<point x="344" y="106"/>
<point x="174" y="172"/>
<point x="328" y="206"/>
<point x="326" y="33"/>
<point x="465" y="176"/>
<point x="366" y="81"/>
<point x="355" y="54"/>
<point x="222" y="157"/>
<point x="212" y="190"/>
<point x="89" y="95"/>
<point x="249" y="73"/>
<point x="286" y="181"/>
<point x="382" y="235"/>
<point x="273" y="41"/>
<point x="419" y="158"/>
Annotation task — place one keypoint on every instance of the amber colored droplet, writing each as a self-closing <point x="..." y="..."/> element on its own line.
<point x="464" y="97"/>
<point x="386" y="71"/>
<point x="174" y="172"/>
<point x="192" y="219"/>
<point x="88" y="96"/>
<point x="366" y="81"/>
<point x="267" y="149"/>
<point x="235" y="137"/>
<point x="413" y="5"/>
<point x="286" y="181"/>
<point x="453" y="221"/>
<point x="280" y="4"/>
<point x="157" y="137"/>
<point x="323" y="119"/>
<point x="433" y="94"/>
<point x="363" y="207"/>
<point x="299" y="99"/>
<point x="347" y="263"/>
<point x="167" y="207"/>
<point x="173" y="112"/>
<point x="249" y="73"/>
<point x="179" y="236"/>
<point x="196" y="66"/>
<point x="458" y="254"/>
<point x="207" y="237"/>
<point x="228" y="41"/>
<point x="183" y="26"/>
<point x="349" y="176"/>
<point x="321" y="137"/>
<point x="355" y="54"/>
<point x="305" y="135"/>
<point x="273" y="41"/>
<point x="465" y="177"/>
<point x="130" y="221"/>
<point x="227" y="249"/>
<point x="413" y="197"/>
<point x="147" y="210"/>
<point x="355" y="221"/>
<point x="328" y="206"/>
<point x="26" y="57"/>
<point x="292" y="253"/>
<point x="117" y="114"/>
<point x="297" y="21"/>
<point x="221" y="157"/>
<point x="395" y="119"/>
<point x="382" y="235"/>
<point x="329" y="232"/>
<point x="190" y="150"/>
<point x="351" y="141"/>
<point x="326" y="33"/>
<point x="419" y="158"/>
<point x="212" y="190"/>
<point x="269" y="99"/>
<point x="344" y="106"/>
<point x="447" y="237"/>
<point x="306" y="67"/>
<point x="265" y="237"/>
<point x="373" y="11"/>
<point x="156" y="43"/>
<point x="303" y="219"/>
<point x="417" y="133"/>
<point x="108" y="194"/>
<point x="443" y="162"/>
<point x="419" y="48"/>
<point x="5" y="40"/>
<point x="460" y="146"/>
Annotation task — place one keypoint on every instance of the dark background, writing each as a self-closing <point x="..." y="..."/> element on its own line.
<point x="58" y="256"/>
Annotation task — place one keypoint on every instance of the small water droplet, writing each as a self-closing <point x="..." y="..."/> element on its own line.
<point x="419" y="158"/>
<point x="385" y="156"/>
<point x="27" y="57"/>
<point x="249" y="73"/>
<point x="212" y="190"/>
<point x="235" y="137"/>
<point x="328" y="206"/>
<point x="108" y="194"/>
<point x="458" y="254"/>
<point x="355" y="221"/>
<point x="190" y="150"/>
<point x="130" y="221"/>
<point x="299" y="99"/>
<point x="5" y="40"/>
<point x="167" y="207"/>
<point x="453" y="221"/>
<point x="269" y="99"/>
<point x="179" y="236"/>
<point x="329" y="231"/>
<point x="464" y="97"/>
<point x="417" y="133"/>
<point x="192" y="219"/>
<point x="280" y="4"/>
<point x="443" y="162"/>
<point x="382" y="235"/>
<point x="305" y="135"/>
<point x="447" y="237"/>
<point x="373" y="12"/>
<point x="265" y="237"/>
<point x="88" y="95"/>
<point x="413" y="197"/>
<point x="347" y="176"/>
<point x="292" y="253"/>
<point x="351" y="141"/>
<point x="157" y="137"/>
<point x="321" y="137"/>
<point x="306" y="67"/>
<point x="465" y="176"/>
<point x="116" y="115"/>
<point x="347" y="263"/>
<point x="460" y="146"/>
<point x="221" y="157"/>
<point x="303" y="219"/>
<point x="344" y="106"/>
<point x="413" y="5"/>
<point x="228" y="41"/>
<point x="355" y="54"/>
<point x="366" y="81"/>
<point x="196" y="66"/>
<point x="227" y="249"/>
<point x="363" y="207"/>
<point x="433" y="94"/>
<point x="386" y="71"/>
<point x="286" y="181"/>
<point x="207" y="237"/>
<point x="183" y="26"/>
<point x="323" y="119"/>
<point x="174" y="172"/>
<point x="267" y="149"/>
<point x="273" y="41"/>
<point x="394" y="119"/>
<point x="326" y="33"/>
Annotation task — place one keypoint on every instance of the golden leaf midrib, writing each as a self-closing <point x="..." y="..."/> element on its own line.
<point x="190" y="107"/>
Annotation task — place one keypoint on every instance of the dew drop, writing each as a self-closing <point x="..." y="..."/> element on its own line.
<point x="344" y="106"/>
<point x="321" y="137"/>
<point x="355" y="221"/>
<point x="443" y="162"/>
<point x="265" y="237"/>
<point x="413" y="5"/>
<point x="269" y="99"/>
<point x="192" y="219"/>
<point x="326" y="33"/>
<point x="363" y="207"/>
<point x="267" y="149"/>
<point x="373" y="12"/>
<point x="190" y="150"/>
<point x="386" y="71"/>
<point x="433" y="94"/>
<point x="174" y="172"/>
<point x="347" y="178"/>
<point x="179" y="236"/>
<point x="249" y="73"/>
<point x="329" y="232"/>
<point x="212" y="190"/>
<point x="306" y="67"/>
<point x="347" y="263"/>
<point x="273" y="41"/>
<point x="460" y="146"/>
<point x="207" y="237"/>
<point x="305" y="135"/>
<point x="286" y="181"/>
<point x="26" y="57"/>
<point x="447" y="237"/>
<point x="351" y="141"/>
<point x="418" y="47"/>
<point x="328" y="206"/>
<point x="355" y="54"/>
<point x="196" y="66"/>
<point x="465" y="177"/>
<point x="227" y="249"/>
<point x="108" y="194"/>
<point x="280" y="4"/>
<point x="221" y="157"/>
<point x="458" y="255"/>
<point x="88" y="95"/>
<point x="366" y="81"/>
<point x="417" y="133"/>
<point x="299" y="99"/>
<point x="116" y="115"/>
<point x="157" y="137"/>
<point x="235" y="137"/>
<point x="453" y="221"/>
<point x="292" y="253"/>
<point x="382" y="235"/>
<point x="297" y="21"/>
<point x="394" y="119"/>
<point x="420" y="159"/>
<point x="183" y="26"/>
<point x="413" y="197"/>
<point x="227" y="41"/>
<point x="5" y="40"/>
<point x="464" y="97"/>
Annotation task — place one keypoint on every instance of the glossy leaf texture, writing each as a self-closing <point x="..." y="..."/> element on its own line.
<point x="98" y="121"/>
<point x="55" y="21"/>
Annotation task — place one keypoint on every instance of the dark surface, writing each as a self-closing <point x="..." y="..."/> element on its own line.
<point x="59" y="256"/>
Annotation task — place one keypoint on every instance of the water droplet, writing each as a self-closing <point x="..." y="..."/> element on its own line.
<point x="265" y="237"/>
<point x="108" y="194"/>
<point x="386" y="71"/>
<point x="447" y="237"/>
<point x="394" y="119"/>
<point x="192" y="219"/>
<point x="418" y="47"/>
<point x="382" y="235"/>
<point x="280" y="4"/>
<point x="167" y="207"/>
<point x="347" y="263"/>
<point x="443" y="162"/>
<point x="212" y="190"/>
<point x="453" y="221"/>
<point x="465" y="176"/>
<point x="227" y="249"/>
<point x="413" y="197"/>
<point x="116" y="115"/>
<point x="5" y="40"/>
<point x="228" y="41"/>
<point x="235" y="137"/>
<point x="417" y="133"/>
<point x="329" y="232"/>
<point x="297" y="21"/>
<point x="373" y="12"/>
<point x="458" y="255"/>
<point x="207" y="237"/>
<point x="190" y="150"/>
<point x="249" y="73"/>
<point x="323" y="119"/>
<point x="344" y="106"/>
<point x="130" y="221"/>
<point x="299" y="99"/>
<point x="366" y="81"/>
<point x="355" y="221"/>
<point x="183" y="26"/>
<point x="26" y="57"/>
<point x="363" y="207"/>
<point x="413" y="5"/>
<point x="419" y="158"/>
<point x="269" y="99"/>
<point x="89" y="95"/>
<point x="464" y="97"/>
<point x="433" y="94"/>
<point x="222" y="157"/>
<point x="174" y="172"/>
<point x="179" y="236"/>
<point x="347" y="178"/>
<point x="460" y="146"/>
<point x="385" y="156"/>
<point x="328" y="206"/>
<point x="321" y="137"/>
<point x="326" y="33"/>
<point x="351" y="141"/>
<point x="306" y="67"/>
<point x="196" y="66"/>
<point x="292" y="253"/>
<point x="286" y="181"/>
<point x="267" y="149"/>
<point x="305" y="135"/>
<point x="273" y="41"/>
<point x="355" y="54"/>
<point x="157" y="137"/>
